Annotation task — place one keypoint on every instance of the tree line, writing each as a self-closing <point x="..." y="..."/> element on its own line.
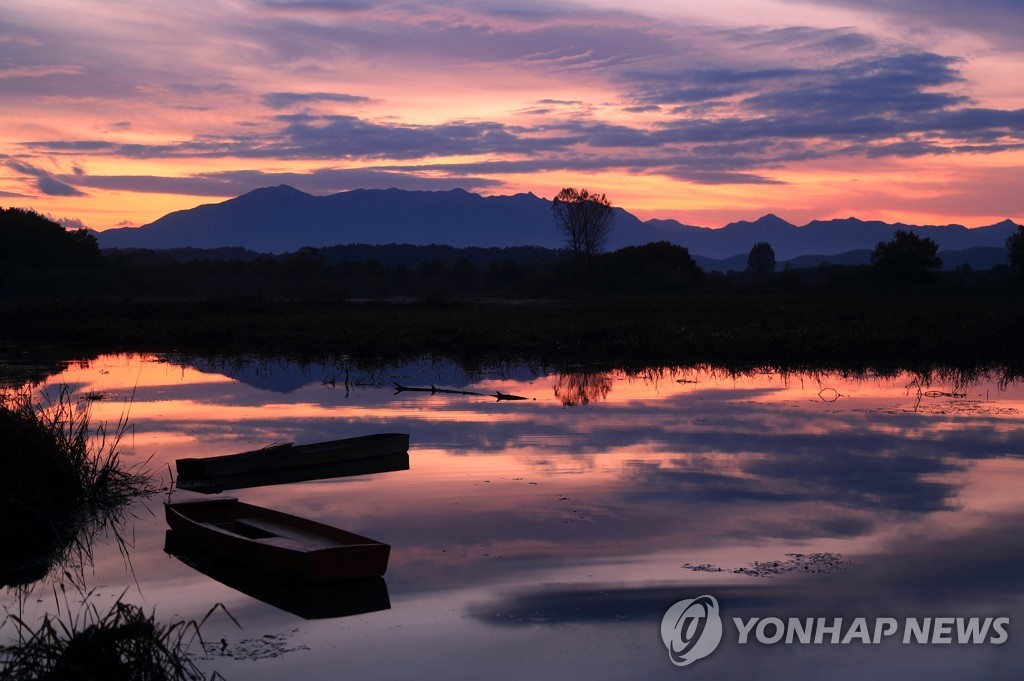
<point x="40" y="257"/>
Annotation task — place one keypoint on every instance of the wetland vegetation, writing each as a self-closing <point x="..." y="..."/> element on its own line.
<point x="62" y="480"/>
<point x="638" y="305"/>
<point x="906" y="330"/>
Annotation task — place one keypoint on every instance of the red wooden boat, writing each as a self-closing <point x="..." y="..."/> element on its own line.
<point x="276" y="542"/>
<point x="308" y="600"/>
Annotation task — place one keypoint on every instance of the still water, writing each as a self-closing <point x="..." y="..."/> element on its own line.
<point x="546" y="537"/>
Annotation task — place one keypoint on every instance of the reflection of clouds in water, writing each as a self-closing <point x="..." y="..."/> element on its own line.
<point x="530" y="514"/>
<point x="567" y="604"/>
<point x="707" y="445"/>
<point x="973" y="573"/>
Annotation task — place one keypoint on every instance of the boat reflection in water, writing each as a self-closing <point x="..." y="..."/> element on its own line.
<point x="366" y="466"/>
<point x="307" y="600"/>
<point x="287" y="456"/>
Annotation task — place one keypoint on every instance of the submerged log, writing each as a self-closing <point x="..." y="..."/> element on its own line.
<point x="433" y="390"/>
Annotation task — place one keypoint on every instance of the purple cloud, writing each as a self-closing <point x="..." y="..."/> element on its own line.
<point x="283" y="100"/>
<point x="45" y="181"/>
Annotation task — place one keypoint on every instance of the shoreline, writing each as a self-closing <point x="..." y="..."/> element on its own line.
<point x="892" y="331"/>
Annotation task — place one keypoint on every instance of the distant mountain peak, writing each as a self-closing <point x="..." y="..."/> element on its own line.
<point x="772" y="220"/>
<point x="763" y="223"/>
<point x="264" y="195"/>
<point x="279" y="189"/>
<point x="282" y="218"/>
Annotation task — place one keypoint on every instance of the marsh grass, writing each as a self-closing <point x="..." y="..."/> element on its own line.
<point x="121" y="644"/>
<point x="843" y="331"/>
<point x="61" y="482"/>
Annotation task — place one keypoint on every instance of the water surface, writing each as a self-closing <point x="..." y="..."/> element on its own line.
<point x="546" y="537"/>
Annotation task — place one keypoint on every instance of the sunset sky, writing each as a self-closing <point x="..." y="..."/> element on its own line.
<point x="116" y="113"/>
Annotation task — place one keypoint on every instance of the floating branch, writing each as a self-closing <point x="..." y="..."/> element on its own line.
<point x="434" y="390"/>
<point x="829" y="394"/>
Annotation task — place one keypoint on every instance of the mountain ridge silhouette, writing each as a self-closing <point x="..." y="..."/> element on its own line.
<point x="283" y="219"/>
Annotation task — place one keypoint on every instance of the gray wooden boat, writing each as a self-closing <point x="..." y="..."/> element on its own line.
<point x="288" y="456"/>
<point x="370" y="465"/>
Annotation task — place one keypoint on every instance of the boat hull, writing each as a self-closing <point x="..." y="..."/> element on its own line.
<point x="368" y="466"/>
<point x="276" y="542"/>
<point x="286" y="457"/>
<point x="308" y="600"/>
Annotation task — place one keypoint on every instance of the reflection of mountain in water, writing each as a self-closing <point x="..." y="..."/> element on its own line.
<point x="286" y="376"/>
<point x="278" y="376"/>
<point x="31" y="369"/>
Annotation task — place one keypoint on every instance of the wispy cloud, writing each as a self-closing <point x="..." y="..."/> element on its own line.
<point x="24" y="40"/>
<point x="318" y="181"/>
<point x="316" y="5"/>
<point x="39" y="71"/>
<point x="283" y="100"/>
<point x="45" y="181"/>
<point x="1000" y="21"/>
<point x="69" y="223"/>
<point x="494" y="94"/>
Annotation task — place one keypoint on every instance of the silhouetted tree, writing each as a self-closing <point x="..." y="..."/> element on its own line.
<point x="504" y="273"/>
<point x="908" y="256"/>
<point x="466" y="275"/>
<point x="659" y="267"/>
<point x="28" y="238"/>
<point x="761" y="259"/>
<point x="585" y="219"/>
<point x="305" y="263"/>
<point x="1015" y="251"/>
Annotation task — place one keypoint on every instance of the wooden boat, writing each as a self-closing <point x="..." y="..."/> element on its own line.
<point x="287" y="456"/>
<point x="344" y="469"/>
<point x="307" y="600"/>
<point x="276" y="542"/>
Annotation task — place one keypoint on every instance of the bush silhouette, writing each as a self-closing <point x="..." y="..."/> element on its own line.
<point x="659" y="267"/>
<point x="761" y="259"/>
<point x="906" y="257"/>
<point x="1015" y="251"/>
<point x="29" y="239"/>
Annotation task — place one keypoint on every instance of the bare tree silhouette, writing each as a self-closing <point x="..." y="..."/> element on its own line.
<point x="585" y="219"/>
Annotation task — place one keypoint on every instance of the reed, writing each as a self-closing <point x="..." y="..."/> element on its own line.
<point x="61" y="480"/>
<point x="121" y="644"/>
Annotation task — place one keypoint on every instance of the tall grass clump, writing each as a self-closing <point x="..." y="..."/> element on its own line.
<point x="59" y="478"/>
<point x="122" y="644"/>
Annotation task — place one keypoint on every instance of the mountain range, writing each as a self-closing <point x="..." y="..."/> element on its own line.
<point x="283" y="219"/>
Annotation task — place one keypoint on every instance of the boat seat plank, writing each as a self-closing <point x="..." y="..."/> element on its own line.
<point x="287" y="543"/>
<point x="241" y="529"/>
<point x="283" y="531"/>
<point x="213" y="526"/>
